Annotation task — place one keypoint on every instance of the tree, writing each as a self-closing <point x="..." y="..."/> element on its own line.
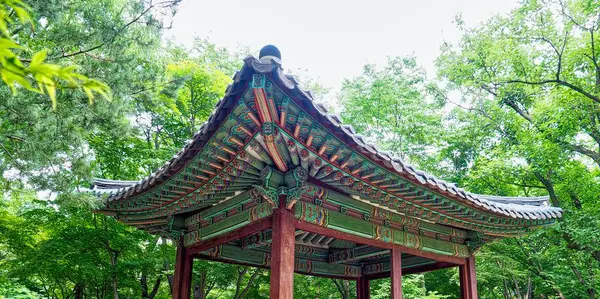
<point x="413" y="287"/>
<point x="527" y="124"/>
<point x="17" y="72"/>
<point x="176" y="113"/>
<point x="544" y="52"/>
<point x="70" y="252"/>
<point x="391" y="107"/>
<point x="115" y="42"/>
<point x="60" y="249"/>
<point x="227" y="280"/>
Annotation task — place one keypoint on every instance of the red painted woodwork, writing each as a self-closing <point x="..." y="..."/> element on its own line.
<point x="183" y="273"/>
<point x="179" y="263"/>
<point x="282" y="252"/>
<point x="462" y="276"/>
<point x="309" y="227"/>
<point x="186" y="281"/>
<point x="363" y="288"/>
<point x="396" y="272"/>
<point x="239" y="233"/>
<point x="468" y="279"/>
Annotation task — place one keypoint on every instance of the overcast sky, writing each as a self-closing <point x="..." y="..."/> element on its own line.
<point x="332" y="40"/>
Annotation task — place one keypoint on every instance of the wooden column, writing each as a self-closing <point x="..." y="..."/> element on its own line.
<point x="396" y="272"/>
<point x="363" y="288"/>
<point x="282" y="252"/>
<point x="182" y="280"/>
<point x="468" y="279"/>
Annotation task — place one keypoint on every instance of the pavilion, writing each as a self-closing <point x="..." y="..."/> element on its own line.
<point x="273" y="180"/>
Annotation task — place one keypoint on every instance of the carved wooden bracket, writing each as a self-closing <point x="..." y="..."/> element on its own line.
<point x="275" y="184"/>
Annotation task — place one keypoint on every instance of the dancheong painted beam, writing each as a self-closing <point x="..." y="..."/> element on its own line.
<point x="273" y="180"/>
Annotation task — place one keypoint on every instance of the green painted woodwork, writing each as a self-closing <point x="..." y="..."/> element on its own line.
<point x="276" y="183"/>
<point x="237" y="158"/>
<point x="259" y="239"/>
<point x="234" y="202"/>
<point x="228" y="224"/>
<point x="258" y="81"/>
<point x="354" y="254"/>
<point x="347" y="224"/>
<point x="383" y="214"/>
<point x="384" y="264"/>
<point x="350" y="183"/>
<point x="302" y="251"/>
<point x="302" y="265"/>
<point x="313" y="263"/>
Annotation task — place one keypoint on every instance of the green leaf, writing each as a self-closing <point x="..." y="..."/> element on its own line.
<point x="89" y="94"/>
<point x="39" y="57"/>
<point x="51" y="89"/>
<point x="6" y="43"/>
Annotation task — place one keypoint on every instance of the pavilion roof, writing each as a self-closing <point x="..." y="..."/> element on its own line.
<point x="509" y="207"/>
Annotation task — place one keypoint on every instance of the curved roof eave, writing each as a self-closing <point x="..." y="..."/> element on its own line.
<point x="515" y="207"/>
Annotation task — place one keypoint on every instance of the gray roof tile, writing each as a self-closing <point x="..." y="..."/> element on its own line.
<point x="516" y="207"/>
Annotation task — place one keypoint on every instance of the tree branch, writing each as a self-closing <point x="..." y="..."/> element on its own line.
<point x="144" y="285"/>
<point x="517" y="184"/>
<point x="590" y="290"/>
<point x="338" y="286"/>
<point x="558" y="82"/>
<point x="568" y="16"/>
<point x="546" y="181"/>
<point x="595" y="156"/>
<point x="117" y="32"/>
<point x="250" y="283"/>
<point x="156" y="287"/>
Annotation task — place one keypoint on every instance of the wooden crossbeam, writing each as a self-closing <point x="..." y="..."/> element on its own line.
<point x="373" y="242"/>
<point x="354" y="254"/>
<point x="239" y="233"/>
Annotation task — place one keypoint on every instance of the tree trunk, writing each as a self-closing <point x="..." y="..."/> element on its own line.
<point x="529" y="288"/>
<point x="343" y="287"/>
<point x="169" y="277"/>
<point x="113" y="262"/>
<point x="78" y="291"/>
<point x="346" y="289"/>
<point x="144" y="286"/>
<point x="156" y="287"/>
<point x="200" y="287"/>
<point x="239" y="292"/>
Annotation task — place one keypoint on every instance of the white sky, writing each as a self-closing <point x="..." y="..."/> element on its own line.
<point x="332" y="40"/>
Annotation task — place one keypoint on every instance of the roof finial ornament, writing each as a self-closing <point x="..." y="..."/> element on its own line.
<point x="269" y="51"/>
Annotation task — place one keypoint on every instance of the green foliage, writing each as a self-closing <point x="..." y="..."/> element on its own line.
<point x="48" y="77"/>
<point x="521" y="118"/>
<point x="175" y="115"/>
<point x="309" y="287"/>
<point x="527" y="124"/>
<point x="526" y="121"/>
<point x="391" y="107"/>
<point x="57" y="253"/>
<point x="413" y="287"/>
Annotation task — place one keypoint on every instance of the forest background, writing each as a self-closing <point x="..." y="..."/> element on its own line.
<point x="93" y="89"/>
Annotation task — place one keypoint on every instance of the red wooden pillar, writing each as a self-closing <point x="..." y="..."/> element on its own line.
<point x="363" y="288"/>
<point x="282" y="252"/>
<point x="468" y="279"/>
<point x="396" y="272"/>
<point x="182" y="280"/>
